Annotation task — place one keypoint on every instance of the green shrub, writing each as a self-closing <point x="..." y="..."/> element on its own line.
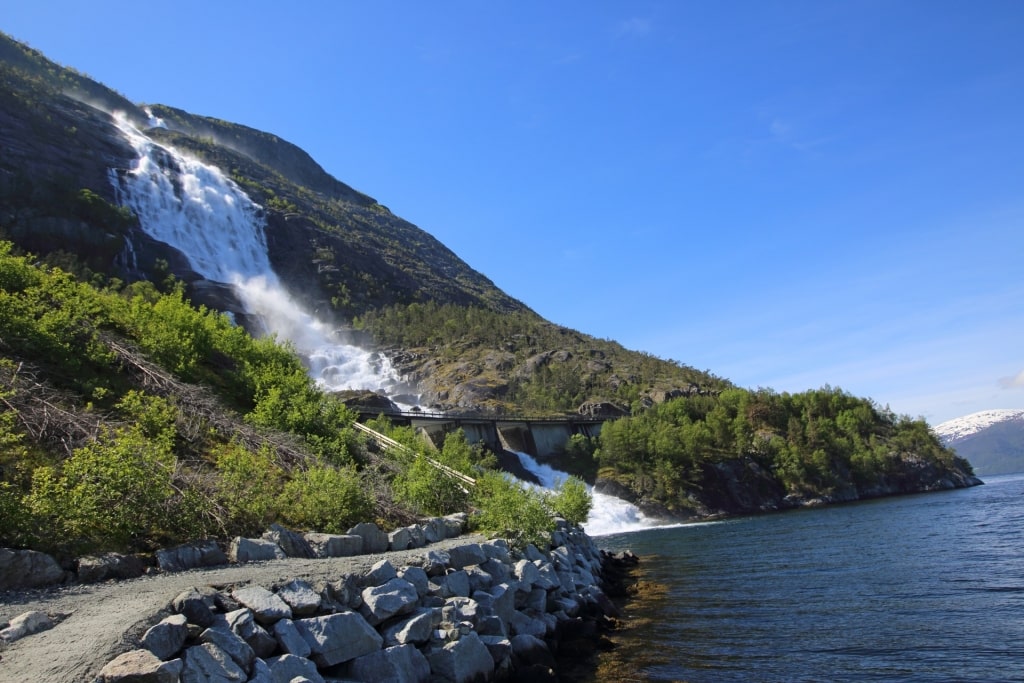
<point x="326" y="498"/>
<point x="108" y="495"/>
<point x="248" y="487"/>
<point x="571" y="501"/>
<point x="507" y="509"/>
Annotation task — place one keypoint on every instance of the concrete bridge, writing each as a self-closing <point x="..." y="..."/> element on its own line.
<point x="540" y="437"/>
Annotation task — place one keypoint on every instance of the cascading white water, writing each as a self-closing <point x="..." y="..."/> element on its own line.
<point x="608" y="515"/>
<point x="196" y="209"/>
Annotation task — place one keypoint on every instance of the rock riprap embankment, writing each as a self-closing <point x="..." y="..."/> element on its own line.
<point x="468" y="611"/>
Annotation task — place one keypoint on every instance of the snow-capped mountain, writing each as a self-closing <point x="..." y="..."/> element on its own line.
<point x="992" y="440"/>
<point x="961" y="427"/>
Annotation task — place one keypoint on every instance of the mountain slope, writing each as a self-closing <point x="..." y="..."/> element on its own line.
<point x="340" y="252"/>
<point x="992" y="440"/>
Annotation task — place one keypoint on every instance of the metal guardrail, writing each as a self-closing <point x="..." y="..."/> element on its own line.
<point x="389" y="443"/>
<point x="489" y="417"/>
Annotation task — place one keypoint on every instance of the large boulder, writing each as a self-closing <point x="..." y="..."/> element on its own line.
<point x="292" y="543"/>
<point x="374" y="540"/>
<point x="140" y="666"/>
<point x="244" y="550"/>
<point x="338" y="638"/>
<point x="165" y="638"/>
<point x="393" y="598"/>
<point x="287" y="668"/>
<point x="28" y="569"/>
<point x="466" y="660"/>
<point x="398" y="664"/>
<point x="190" y="556"/>
<point x="95" y="568"/>
<point x="207" y="663"/>
<point x="266" y="606"/>
<point x="301" y="597"/>
<point x="334" y="545"/>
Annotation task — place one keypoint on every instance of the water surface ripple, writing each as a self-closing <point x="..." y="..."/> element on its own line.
<point x="919" y="588"/>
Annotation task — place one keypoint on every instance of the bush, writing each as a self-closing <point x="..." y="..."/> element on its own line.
<point x="507" y="509"/>
<point x="326" y="499"/>
<point x="428" y="491"/>
<point x="572" y="501"/>
<point x="248" y="486"/>
<point x="108" y="495"/>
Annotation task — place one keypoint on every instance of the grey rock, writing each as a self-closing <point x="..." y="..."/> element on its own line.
<point x="26" y="624"/>
<point x="337" y="638"/>
<point x="457" y="610"/>
<point x="260" y="672"/>
<point x="207" y="663"/>
<point x="28" y="569"/>
<point x="479" y="579"/>
<point x="462" y="556"/>
<point x="244" y="550"/>
<point x="393" y="598"/>
<point x="417" y="577"/>
<point x="287" y="668"/>
<point x="292" y="543"/>
<point x="451" y="585"/>
<point x="232" y="644"/>
<point x="265" y="606"/>
<point x="289" y="639"/>
<point x="527" y="649"/>
<point x="400" y="539"/>
<point x="497" y="549"/>
<point x="523" y="624"/>
<point x="95" y="568"/>
<point x="455" y="524"/>
<point x="334" y="545"/>
<point x="397" y="664"/>
<point x="301" y="597"/>
<point x="526" y="572"/>
<point x="434" y="530"/>
<point x="194" y="606"/>
<point x="434" y="562"/>
<point x="166" y="637"/>
<point x="414" y="630"/>
<point x="465" y="660"/>
<point x="190" y="556"/>
<point x="500" y="648"/>
<point x="379" y="574"/>
<point x="140" y="666"/>
<point x="374" y="540"/>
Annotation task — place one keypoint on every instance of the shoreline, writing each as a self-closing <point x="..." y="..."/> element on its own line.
<point x="97" y="623"/>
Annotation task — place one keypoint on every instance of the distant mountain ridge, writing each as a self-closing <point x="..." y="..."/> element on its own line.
<point x="992" y="440"/>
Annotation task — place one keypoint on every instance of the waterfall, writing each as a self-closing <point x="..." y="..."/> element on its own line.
<point x="202" y="213"/>
<point x="608" y="515"/>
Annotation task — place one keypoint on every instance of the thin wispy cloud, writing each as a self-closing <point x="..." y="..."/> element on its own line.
<point x="634" y="27"/>
<point x="1015" y="382"/>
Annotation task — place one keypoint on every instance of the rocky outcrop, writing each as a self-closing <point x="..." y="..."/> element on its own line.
<point x="478" y="612"/>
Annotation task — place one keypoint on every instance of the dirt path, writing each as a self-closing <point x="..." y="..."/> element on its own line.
<point x="102" y="618"/>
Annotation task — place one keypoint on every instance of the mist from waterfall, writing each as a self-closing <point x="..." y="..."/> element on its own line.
<point x="608" y="514"/>
<point x="202" y="213"/>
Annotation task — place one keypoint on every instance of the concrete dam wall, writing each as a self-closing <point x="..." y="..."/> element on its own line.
<point x="539" y="438"/>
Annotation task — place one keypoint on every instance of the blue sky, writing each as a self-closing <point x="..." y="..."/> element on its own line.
<point x="787" y="194"/>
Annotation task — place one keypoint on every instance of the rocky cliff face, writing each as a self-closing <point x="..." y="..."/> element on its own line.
<point x="331" y="243"/>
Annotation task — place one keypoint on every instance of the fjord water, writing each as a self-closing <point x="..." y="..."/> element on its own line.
<point x="928" y="587"/>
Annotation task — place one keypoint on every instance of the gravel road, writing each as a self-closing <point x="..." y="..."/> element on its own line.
<point x="100" y="621"/>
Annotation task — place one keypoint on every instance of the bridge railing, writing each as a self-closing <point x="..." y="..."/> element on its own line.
<point x="489" y="417"/>
<point x="389" y="443"/>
